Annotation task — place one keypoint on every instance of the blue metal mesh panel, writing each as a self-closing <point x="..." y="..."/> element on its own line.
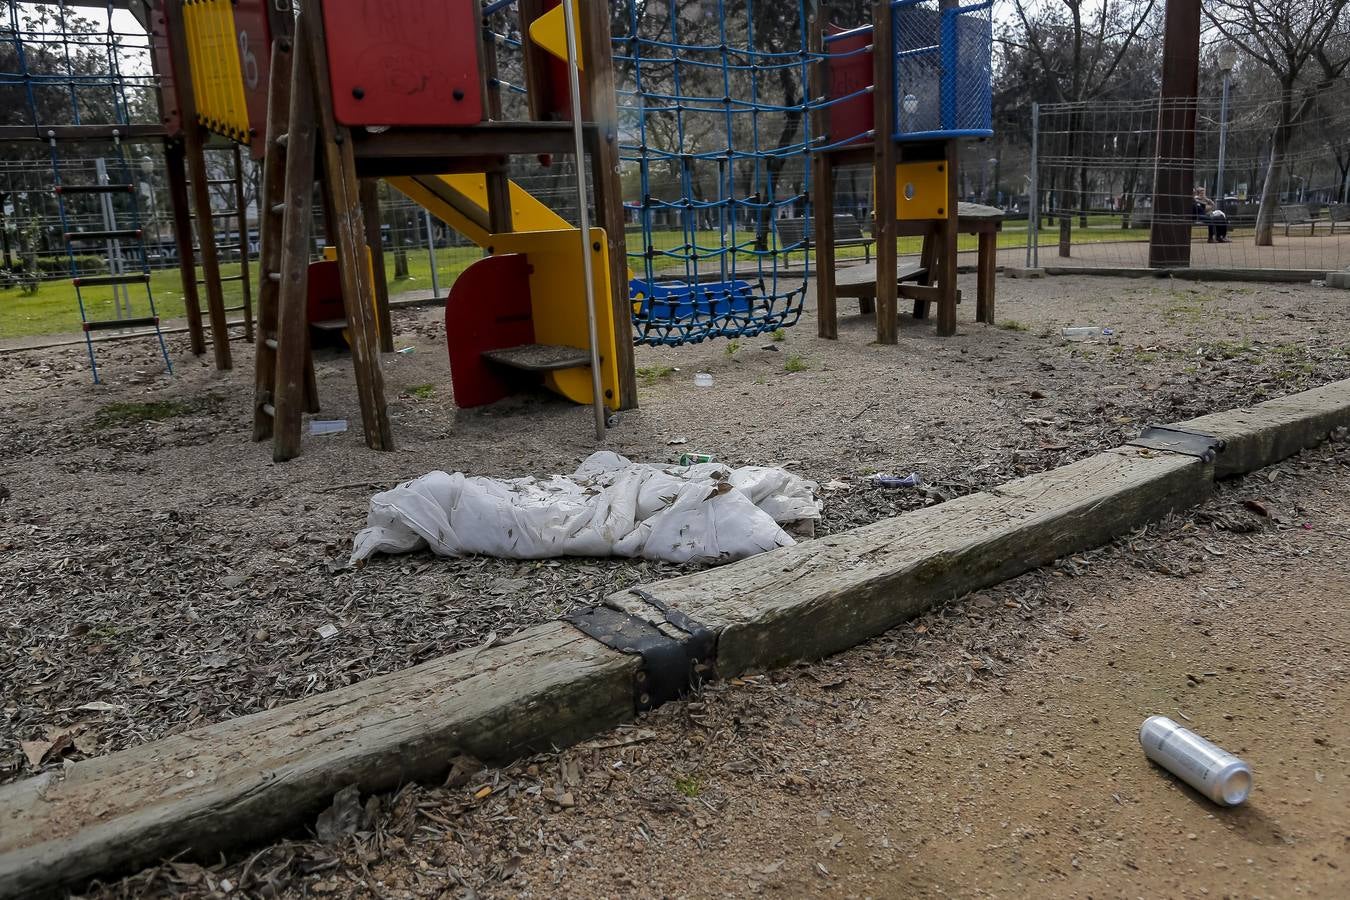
<point x="942" y="69"/>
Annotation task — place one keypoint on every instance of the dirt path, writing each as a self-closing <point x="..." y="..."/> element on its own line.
<point x="988" y="749"/>
<point x="154" y="560"/>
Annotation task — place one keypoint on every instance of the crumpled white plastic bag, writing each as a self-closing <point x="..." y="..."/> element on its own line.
<point x="607" y="507"/>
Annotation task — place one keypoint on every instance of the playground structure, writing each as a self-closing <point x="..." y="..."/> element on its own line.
<point x="937" y="64"/>
<point x="718" y="122"/>
<point x="76" y="93"/>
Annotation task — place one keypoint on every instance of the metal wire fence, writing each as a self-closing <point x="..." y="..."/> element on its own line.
<point x="1109" y="179"/>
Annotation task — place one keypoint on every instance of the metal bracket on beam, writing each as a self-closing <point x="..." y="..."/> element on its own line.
<point x="670" y="666"/>
<point x="1202" y="446"/>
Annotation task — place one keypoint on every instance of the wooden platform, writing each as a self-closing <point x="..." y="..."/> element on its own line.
<point x="539" y="357"/>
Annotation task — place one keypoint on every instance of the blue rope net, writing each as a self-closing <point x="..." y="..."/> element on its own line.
<point x="714" y="140"/>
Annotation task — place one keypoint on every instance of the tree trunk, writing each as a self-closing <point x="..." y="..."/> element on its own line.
<point x="401" y="264"/>
<point x="4" y="234"/>
<point x="1270" y="191"/>
<point x="1082" y="196"/>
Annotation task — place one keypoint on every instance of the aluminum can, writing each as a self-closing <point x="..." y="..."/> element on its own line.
<point x="1210" y="769"/>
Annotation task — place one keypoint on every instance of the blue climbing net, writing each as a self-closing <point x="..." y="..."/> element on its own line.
<point x="714" y="138"/>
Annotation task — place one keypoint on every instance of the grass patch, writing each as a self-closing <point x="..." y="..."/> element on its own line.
<point x="420" y="391"/>
<point x="1013" y="325"/>
<point x="796" y="363"/>
<point x="115" y="414"/>
<point x="732" y="348"/>
<point x="689" y="786"/>
<point x="650" y="375"/>
<point x="778" y="335"/>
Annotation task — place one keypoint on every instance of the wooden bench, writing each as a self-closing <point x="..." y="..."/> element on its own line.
<point x="847" y="233"/>
<point x="1294" y="215"/>
<point x="1337" y="214"/>
<point x="916" y="281"/>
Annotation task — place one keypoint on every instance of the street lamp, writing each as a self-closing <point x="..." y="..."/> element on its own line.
<point x="1227" y="59"/>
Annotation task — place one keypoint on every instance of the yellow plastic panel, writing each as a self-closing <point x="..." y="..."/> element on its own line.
<point x="460" y="201"/>
<point x="549" y="31"/>
<point x="558" y="304"/>
<point x="921" y="191"/>
<point x="217" y="82"/>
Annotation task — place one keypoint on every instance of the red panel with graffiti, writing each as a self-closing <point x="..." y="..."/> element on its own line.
<point x="253" y="39"/>
<point x="404" y="62"/>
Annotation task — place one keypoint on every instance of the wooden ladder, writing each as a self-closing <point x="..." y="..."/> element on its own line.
<point x="299" y="124"/>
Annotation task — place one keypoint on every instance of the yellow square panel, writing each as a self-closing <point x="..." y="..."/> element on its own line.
<point x="921" y="191"/>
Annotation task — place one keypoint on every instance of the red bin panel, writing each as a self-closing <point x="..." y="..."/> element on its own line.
<point x="404" y="62"/>
<point x="850" y="72"/>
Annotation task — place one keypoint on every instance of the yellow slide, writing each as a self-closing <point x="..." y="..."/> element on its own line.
<point x="557" y="287"/>
<point x="460" y="201"/>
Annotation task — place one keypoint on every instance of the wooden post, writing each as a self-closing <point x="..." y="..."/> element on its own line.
<point x="1169" y="240"/>
<point x="536" y="61"/>
<point x="245" y="279"/>
<point x="498" y="184"/>
<point x="598" y="85"/>
<point x="342" y="198"/>
<point x="201" y="190"/>
<point x="175" y="163"/>
<point x="946" y="261"/>
<point x="883" y="149"/>
<point x="988" y="263"/>
<point x="822" y="205"/>
<point x="292" y="337"/>
<point x="370" y="211"/>
<point x="270" y="226"/>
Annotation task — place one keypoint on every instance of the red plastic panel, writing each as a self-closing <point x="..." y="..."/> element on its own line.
<point x="168" y="88"/>
<point x="850" y="74"/>
<point x="488" y="309"/>
<point x="323" y="293"/>
<point x="404" y="62"/>
<point x="253" y="38"/>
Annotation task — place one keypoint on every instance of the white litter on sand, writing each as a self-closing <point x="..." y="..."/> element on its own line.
<point x="608" y="507"/>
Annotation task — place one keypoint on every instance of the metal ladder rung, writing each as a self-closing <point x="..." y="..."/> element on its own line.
<point x="73" y="236"/>
<point x="110" y="324"/>
<point x="103" y="280"/>
<point x="94" y="189"/>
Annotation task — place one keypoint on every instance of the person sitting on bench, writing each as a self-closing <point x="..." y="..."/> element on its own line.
<point x="1207" y="211"/>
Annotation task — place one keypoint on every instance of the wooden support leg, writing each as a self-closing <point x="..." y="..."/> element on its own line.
<point x="499" y="202"/>
<point x="822" y="206"/>
<point x="884" y="160"/>
<point x="827" y="315"/>
<point x="984" y="302"/>
<point x="946" y="318"/>
<point x="175" y="160"/>
<point x="342" y="198"/>
<point x="926" y="256"/>
<point x="599" y="88"/>
<point x="292" y="336"/>
<point x="370" y="211"/>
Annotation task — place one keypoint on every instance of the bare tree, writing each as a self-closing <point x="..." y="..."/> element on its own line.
<point x="1306" y="45"/>
<point x="1073" y="51"/>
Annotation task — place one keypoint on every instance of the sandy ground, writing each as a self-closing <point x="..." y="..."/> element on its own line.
<point x="986" y="749"/>
<point x="168" y="573"/>
<point x="1322" y="252"/>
